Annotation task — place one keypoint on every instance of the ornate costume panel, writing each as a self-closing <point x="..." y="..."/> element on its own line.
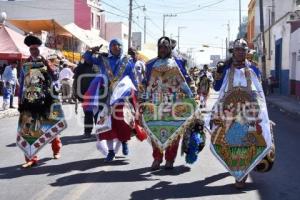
<point x="241" y="134"/>
<point x="41" y="115"/>
<point x="169" y="108"/>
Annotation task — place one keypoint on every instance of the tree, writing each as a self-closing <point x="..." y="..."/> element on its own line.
<point x="243" y="29"/>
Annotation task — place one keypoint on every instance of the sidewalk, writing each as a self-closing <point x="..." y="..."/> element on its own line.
<point x="9" y="112"/>
<point x="286" y="104"/>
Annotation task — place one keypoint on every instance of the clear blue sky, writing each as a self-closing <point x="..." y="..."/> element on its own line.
<point x="205" y="21"/>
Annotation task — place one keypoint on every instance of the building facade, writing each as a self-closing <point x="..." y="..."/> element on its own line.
<point x="251" y="23"/>
<point x="281" y="31"/>
<point x="117" y="30"/>
<point x="84" y="13"/>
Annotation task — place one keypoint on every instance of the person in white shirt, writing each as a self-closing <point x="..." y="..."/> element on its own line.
<point x="66" y="79"/>
<point x="10" y="81"/>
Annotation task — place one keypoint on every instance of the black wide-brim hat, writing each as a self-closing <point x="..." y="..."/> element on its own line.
<point x="32" y="40"/>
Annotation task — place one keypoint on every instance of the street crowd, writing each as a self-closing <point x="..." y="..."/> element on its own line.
<point x="161" y="99"/>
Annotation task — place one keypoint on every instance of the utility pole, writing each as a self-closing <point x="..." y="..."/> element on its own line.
<point x="270" y="21"/>
<point x="228" y="40"/>
<point x="273" y="12"/>
<point x="179" y="27"/>
<point x="164" y="21"/>
<point x="145" y="28"/>
<point x="227" y="48"/>
<point x="262" y="32"/>
<point x="130" y="22"/>
<point x="145" y="23"/>
<point x="240" y="15"/>
<point x="222" y="41"/>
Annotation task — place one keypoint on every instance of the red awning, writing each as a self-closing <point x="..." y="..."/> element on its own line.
<point x="12" y="44"/>
<point x="11" y="56"/>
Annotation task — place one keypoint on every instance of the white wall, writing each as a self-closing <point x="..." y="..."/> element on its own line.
<point x="281" y="30"/>
<point x="117" y="30"/>
<point x="257" y="16"/>
<point x="60" y="10"/>
<point x="282" y="7"/>
<point x="295" y="47"/>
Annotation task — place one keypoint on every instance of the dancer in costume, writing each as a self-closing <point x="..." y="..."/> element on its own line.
<point x="250" y="57"/>
<point x="205" y="80"/>
<point x="115" y="83"/>
<point x="241" y="132"/>
<point x="41" y="116"/>
<point x="168" y="109"/>
<point x="252" y="62"/>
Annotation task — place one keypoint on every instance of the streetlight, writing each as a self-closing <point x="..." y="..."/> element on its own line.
<point x="3" y="17"/>
<point x="190" y="53"/>
<point x="222" y="41"/>
<point x="179" y="27"/>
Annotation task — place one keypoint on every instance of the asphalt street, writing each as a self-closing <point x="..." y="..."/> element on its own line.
<point x="81" y="173"/>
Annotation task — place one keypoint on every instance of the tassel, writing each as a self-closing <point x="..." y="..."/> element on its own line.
<point x="140" y="132"/>
<point x="193" y="149"/>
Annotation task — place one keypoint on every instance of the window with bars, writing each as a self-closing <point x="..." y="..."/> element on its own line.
<point x="98" y="22"/>
<point x="92" y="20"/>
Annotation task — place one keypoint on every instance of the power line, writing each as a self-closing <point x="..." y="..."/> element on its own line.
<point x="177" y="4"/>
<point x="114" y="7"/>
<point x="157" y="26"/>
<point x="207" y="10"/>
<point x="116" y="14"/>
<point x="136" y="3"/>
<point x="147" y="16"/>
<point x="174" y="7"/>
<point x="141" y="28"/>
<point x="193" y="10"/>
<point x="39" y="7"/>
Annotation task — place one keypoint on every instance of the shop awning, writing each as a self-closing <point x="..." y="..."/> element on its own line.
<point x="89" y="38"/>
<point x="12" y="44"/>
<point x="36" y="26"/>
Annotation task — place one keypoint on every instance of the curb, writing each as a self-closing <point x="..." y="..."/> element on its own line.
<point x="281" y="108"/>
<point x="9" y="113"/>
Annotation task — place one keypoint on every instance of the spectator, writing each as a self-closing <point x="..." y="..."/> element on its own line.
<point x="10" y="81"/>
<point x="84" y="73"/>
<point x="66" y="78"/>
<point x="2" y="67"/>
